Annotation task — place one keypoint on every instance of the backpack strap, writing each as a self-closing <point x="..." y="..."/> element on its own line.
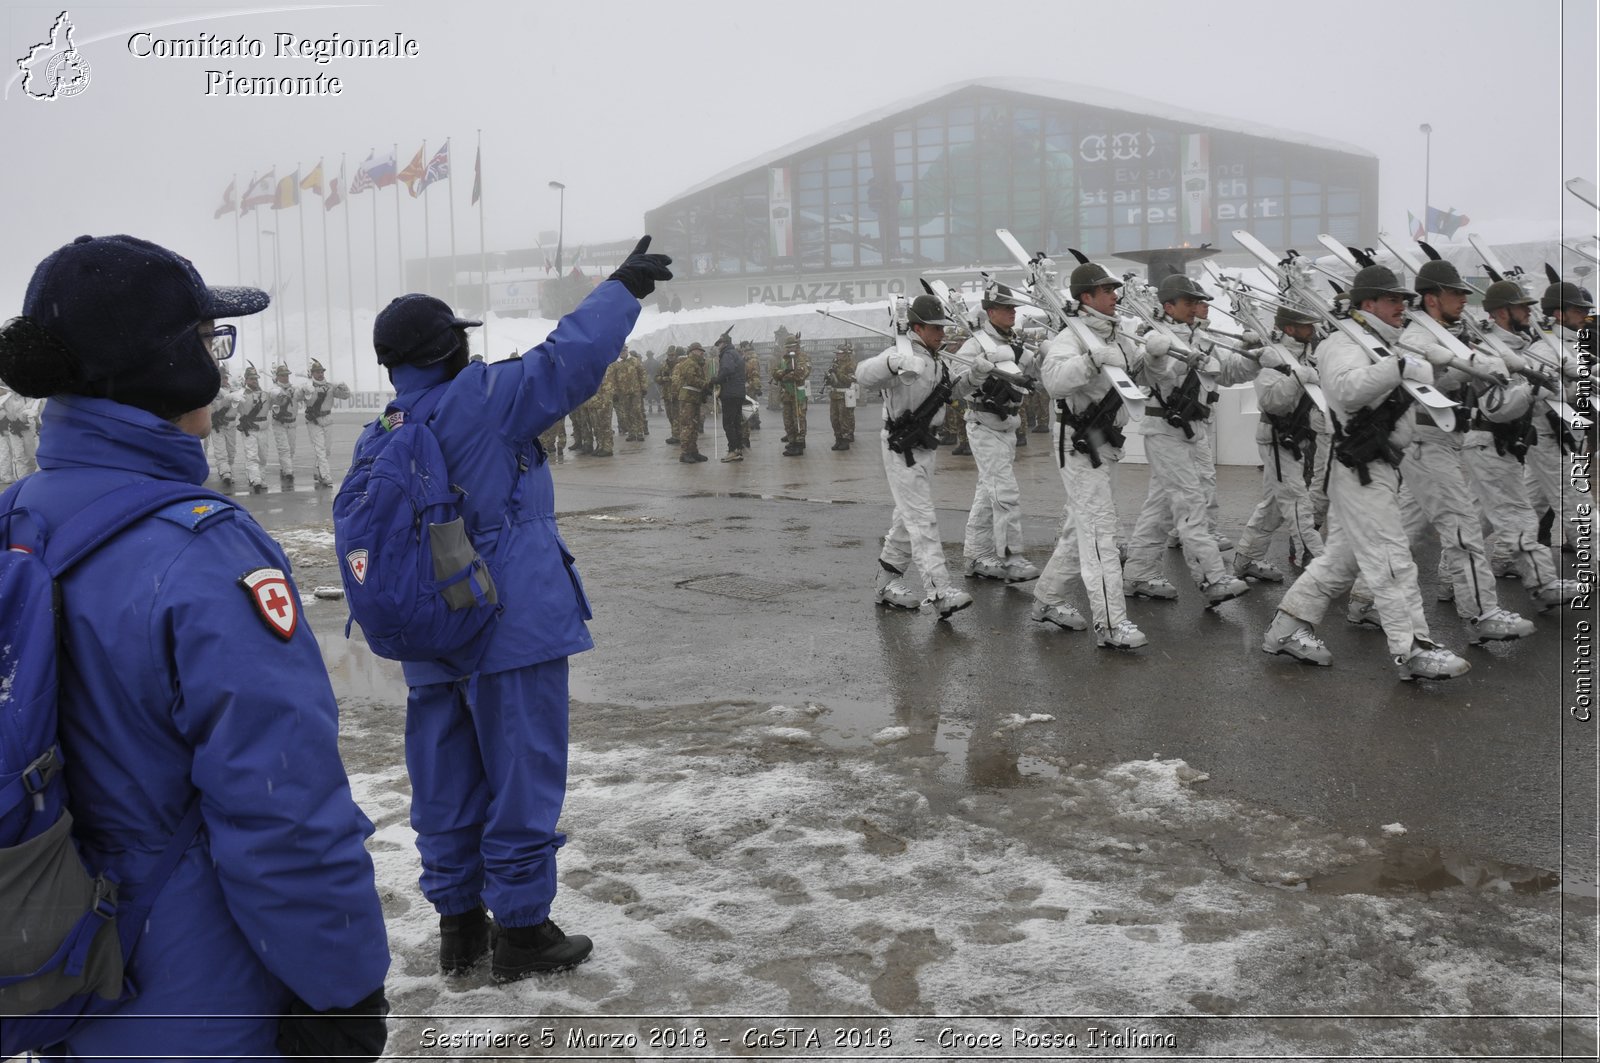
<point x="91" y="528"/>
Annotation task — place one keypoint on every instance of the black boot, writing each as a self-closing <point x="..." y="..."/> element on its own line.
<point x="523" y="950"/>
<point x="463" y="940"/>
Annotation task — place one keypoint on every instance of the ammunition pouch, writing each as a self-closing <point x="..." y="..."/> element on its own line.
<point x="999" y="394"/>
<point x="1101" y="418"/>
<point x="1184" y="405"/>
<point x="1293" y="431"/>
<point x="1365" y="437"/>
<point x="1513" y="437"/>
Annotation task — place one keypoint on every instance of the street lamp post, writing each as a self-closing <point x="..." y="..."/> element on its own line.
<point x="561" y="224"/>
<point x="1427" y="172"/>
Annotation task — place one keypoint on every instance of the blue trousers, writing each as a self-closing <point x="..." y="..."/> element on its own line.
<point x="488" y="764"/>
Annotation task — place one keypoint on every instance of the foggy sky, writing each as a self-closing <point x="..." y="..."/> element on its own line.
<point x="631" y="103"/>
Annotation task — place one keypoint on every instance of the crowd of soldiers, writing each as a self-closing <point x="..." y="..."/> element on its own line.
<point x="1352" y="473"/>
<point x="19" y="434"/>
<point x="243" y="417"/>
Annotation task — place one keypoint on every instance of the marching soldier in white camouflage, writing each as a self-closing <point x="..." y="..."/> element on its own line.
<point x="287" y="397"/>
<point x="1549" y="478"/>
<point x="254" y="408"/>
<point x="319" y="407"/>
<point x="222" y="445"/>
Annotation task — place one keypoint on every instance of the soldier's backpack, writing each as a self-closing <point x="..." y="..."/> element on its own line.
<point x="66" y="932"/>
<point x="412" y="577"/>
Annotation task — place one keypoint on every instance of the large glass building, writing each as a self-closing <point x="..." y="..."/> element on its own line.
<point x="860" y="210"/>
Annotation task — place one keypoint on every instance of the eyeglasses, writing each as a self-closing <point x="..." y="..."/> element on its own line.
<point x="221" y="339"/>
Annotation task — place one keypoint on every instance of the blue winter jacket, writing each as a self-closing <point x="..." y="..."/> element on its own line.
<point x="488" y="426"/>
<point x="176" y="686"/>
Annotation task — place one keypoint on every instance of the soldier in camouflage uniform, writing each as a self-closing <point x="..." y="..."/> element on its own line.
<point x="752" y="387"/>
<point x="554" y="441"/>
<point x="840" y="380"/>
<point x="669" y="391"/>
<point x="628" y="397"/>
<point x="599" y="410"/>
<point x="791" y="371"/>
<point x="287" y="398"/>
<point x="689" y="384"/>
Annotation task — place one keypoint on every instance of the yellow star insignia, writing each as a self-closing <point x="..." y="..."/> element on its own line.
<point x="198" y="510"/>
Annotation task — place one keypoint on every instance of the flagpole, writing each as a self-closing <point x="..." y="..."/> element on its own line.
<point x="427" y="244"/>
<point x="261" y="323"/>
<point x="377" y="299"/>
<point x="327" y="281"/>
<point x="483" y="253"/>
<point x="450" y="198"/>
<point x="238" y="255"/>
<point x="350" y="277"/>
<point x="399" y="238"/>
<point x="305" y="298"/>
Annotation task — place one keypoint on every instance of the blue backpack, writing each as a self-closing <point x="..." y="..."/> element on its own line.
<point x="66" y="933"/>
<point x="412" y="578"/>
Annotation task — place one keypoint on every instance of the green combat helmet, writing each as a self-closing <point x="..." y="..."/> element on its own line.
<point x="1178" y="286"/>
<point x="1089" y="276"/>
<point x="1438" y="275"/>
<point x="1288" y="315"/>
<point x="1374" y="281"/>
<point x="928" y="310"/>
<point x="1506" y="293"/>
<point x="1563" y="294"/>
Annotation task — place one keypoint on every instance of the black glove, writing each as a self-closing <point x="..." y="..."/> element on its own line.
<point x="357" y="1032"/>
<point x="639" y="271"/>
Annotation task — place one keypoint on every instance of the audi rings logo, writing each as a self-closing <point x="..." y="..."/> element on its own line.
<point x="1117" y="147"/>
<point x="54" y="69"/>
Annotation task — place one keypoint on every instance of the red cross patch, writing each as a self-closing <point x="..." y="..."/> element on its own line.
<point x="357" y="560"/>
<point x="274" y="599"/>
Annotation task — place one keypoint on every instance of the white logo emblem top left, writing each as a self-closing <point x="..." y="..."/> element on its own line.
<point x="54" y="69"/>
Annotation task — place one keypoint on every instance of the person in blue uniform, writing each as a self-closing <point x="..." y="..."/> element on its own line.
<point x="486" y="742"/>
<point x="268" y="937"/>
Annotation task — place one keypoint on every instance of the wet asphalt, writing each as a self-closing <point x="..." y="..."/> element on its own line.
<point x="753" y="581"/>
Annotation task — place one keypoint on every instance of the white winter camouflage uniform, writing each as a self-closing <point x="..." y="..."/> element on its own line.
<point x="994" y="524"/>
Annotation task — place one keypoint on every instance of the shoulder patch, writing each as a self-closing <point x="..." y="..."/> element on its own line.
<point x="195" y="512"/>
<point x="274" y="600"/>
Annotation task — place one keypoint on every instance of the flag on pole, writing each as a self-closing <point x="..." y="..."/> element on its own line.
<point x="363" y="180"/>
<point x="1445" y="222"/>
<point x="333" y="198"/>
<point x="288" y="194"/>
<point x="381" y="172"/>
<point x="260" y="193"/>
<point x="477" y="177"/>
<point x="413" y="174"/>
<point x="313" y="180"/>
<point x="438" y="167"/>
<point x="1417" y="232"/>
<point x="228" y="206"/>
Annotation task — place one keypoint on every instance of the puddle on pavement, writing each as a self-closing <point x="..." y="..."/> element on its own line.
<point x="1404" y="869"/>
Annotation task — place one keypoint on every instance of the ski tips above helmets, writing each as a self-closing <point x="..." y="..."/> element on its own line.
<point x="1438" y="275"/>
<point x="1372" y="282"/>
<point x="416" y="329"/>
<point x="997" y="295"/>
<point x="1180" y="285"/>
<point x="1089" y="276"/>
<point x="1563" y="294"/>
<point x="928" y="310"/>
<point x="1506" y="293"/>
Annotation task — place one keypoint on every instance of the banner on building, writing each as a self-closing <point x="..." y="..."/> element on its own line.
<point x="1195" y="170"/>
<point x="780" y="211"/>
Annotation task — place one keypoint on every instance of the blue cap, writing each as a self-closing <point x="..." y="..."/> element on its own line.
<point x="416" y="330"/>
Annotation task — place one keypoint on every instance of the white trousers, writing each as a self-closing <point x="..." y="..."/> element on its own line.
<point x="223" y="447"/>
<point x="283" y="447"/>
<point x="1087" y="546"/>
<point x="1497" y="481"/>
<point x="1548" y="480"/>
<point x="250" y="443"/>
<point x="994" y="526"/>
<point x="319" y="448"/>
<point x="1285" y="500"/>
<point x="1436" y="493"/>
<point x="914" y="535"/>
<point x="1177" y="500"/>
<point x="1366" y="536"/>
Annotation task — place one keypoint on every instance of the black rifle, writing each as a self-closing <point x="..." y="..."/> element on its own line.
<point x="1365" y="438"/>
<point x="914" y="428"/>
<point x="1102" y="416"/>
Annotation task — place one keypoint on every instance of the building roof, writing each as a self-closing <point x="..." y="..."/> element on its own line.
<point x="1061" y="91"/>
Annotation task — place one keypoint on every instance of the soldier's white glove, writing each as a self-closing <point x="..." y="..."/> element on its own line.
<point x="1438" y="355"/>
<point x="982" y="366"/>
<point x="1250" y="338"/>
<point x="1303" y="373"/>
<point x="1109" y="355"/>
<point x="1515" y="362"/>
<point x="901" y="364"/>
<point x="1157" y="344"/>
